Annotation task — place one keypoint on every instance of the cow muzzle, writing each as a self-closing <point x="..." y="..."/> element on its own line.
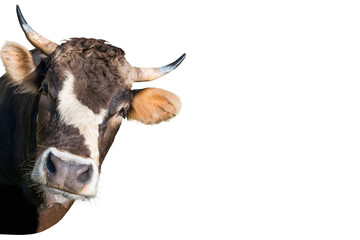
<point x="67" y="174"/>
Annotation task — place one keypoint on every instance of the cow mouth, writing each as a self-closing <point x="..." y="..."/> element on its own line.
<point x="65" y="193"/>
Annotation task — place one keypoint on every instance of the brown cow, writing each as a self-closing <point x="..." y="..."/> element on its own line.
<point x="60" y="109"/>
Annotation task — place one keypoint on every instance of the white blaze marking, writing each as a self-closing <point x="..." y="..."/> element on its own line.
<point x="74" y="113"/>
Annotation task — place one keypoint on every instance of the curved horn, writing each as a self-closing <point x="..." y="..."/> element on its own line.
<point x="38" y="41"/>
<point x="149" y="74"/>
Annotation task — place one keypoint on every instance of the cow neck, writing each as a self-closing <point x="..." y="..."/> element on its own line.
<point x="17" y="135"/>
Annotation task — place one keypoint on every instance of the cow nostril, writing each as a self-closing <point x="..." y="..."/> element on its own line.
<point x="50" y="165"/>
<point x="85" y="176"/>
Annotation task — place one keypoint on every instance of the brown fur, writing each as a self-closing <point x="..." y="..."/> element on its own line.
<point x="95" y="66"/>
<point x="153" y="105"/>
<point x="52" y="215"/>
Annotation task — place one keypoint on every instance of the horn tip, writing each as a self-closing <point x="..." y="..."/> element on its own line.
<point x="24" y="25"/>
<point x="183" y="57"/>
<point x="168" y="68"/>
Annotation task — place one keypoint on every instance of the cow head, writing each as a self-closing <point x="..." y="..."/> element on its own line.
<point x="84" y="94"/>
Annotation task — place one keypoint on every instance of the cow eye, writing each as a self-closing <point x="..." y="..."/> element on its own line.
<point x="44" y="88"/>
<point x="123" y="113"/>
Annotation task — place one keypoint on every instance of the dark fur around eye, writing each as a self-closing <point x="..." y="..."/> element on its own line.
<point x="123" y="113"/>
<point x="44" y="89"/>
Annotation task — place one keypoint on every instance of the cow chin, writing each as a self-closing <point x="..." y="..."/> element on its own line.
<point x="62" y="173"/>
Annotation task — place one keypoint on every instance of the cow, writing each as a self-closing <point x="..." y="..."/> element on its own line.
<point x="60" y="109"/>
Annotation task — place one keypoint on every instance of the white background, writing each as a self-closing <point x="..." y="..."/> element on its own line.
<point x="266" y="145"/>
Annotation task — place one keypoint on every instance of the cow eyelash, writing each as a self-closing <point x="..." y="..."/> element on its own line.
<point x="44" y="89"/>
<point x="123" y="113"/>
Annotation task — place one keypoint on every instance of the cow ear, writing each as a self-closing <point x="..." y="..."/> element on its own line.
<point x="153" y="105"/>
<point x="19" y="65"/>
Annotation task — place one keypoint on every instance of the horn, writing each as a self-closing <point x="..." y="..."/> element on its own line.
<point x="38" y="41"/>
<point x="149" y="74"/>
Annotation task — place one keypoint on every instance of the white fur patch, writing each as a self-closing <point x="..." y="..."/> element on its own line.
<point x="74" y="113"/>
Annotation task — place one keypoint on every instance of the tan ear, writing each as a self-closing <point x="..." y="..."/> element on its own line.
<point x="19" y="64"/>
<point x="153" y="105"/>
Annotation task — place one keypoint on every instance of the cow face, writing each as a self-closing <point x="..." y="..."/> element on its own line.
<point x="83" y="98"/>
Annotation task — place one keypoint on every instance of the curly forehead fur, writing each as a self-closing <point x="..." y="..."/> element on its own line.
<point x="98" y="68"/>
